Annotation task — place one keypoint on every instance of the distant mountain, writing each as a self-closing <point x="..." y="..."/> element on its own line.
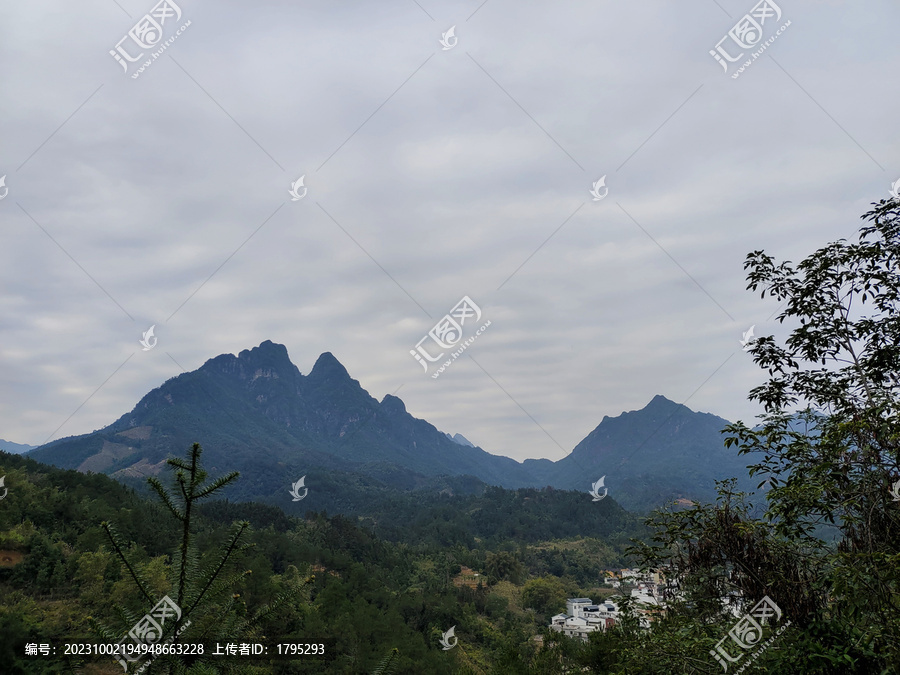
<point x="660" y="453"/>
<point x="460" y="440"/>
<point x="257" y="414"/>
<point x="15" y="448"/>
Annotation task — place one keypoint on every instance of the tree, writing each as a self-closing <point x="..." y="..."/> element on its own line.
<point x="388" y="664"/>
<point x="503" y="565"/>
<point x="201" y="587"/>
<point x="830" y="452"/>
<point x="545" y="595"/>
<point x="840" y="469"/>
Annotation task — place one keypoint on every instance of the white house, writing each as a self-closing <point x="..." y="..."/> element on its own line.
<point x="575" y="605"/>
<point x="604" y="610"/>
<point x="558" y="621"/>
<point x="648" y="605"/>
<point x="584" y="617"/>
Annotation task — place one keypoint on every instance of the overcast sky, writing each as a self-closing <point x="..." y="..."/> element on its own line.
<point x="431" y="173"/>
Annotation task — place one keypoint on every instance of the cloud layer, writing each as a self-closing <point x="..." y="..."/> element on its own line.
<point x="432" y="174"/>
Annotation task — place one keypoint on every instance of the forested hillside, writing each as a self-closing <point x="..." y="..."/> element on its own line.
<point x="368" y="593"/>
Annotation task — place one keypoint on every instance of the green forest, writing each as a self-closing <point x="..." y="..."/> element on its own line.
<point x="83" y="558"/>
<point x="330" y="579"/>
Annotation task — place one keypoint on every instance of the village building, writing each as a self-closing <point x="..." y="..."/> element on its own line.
<point x="583" y="617"/>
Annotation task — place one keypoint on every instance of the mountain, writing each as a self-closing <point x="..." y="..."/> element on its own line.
<point x="460" y="439"/>
<point x="660" y="453"/>
<point x="258" y="414"/>
<point x="15" y="448"/>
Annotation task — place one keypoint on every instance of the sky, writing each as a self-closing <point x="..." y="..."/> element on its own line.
<point x="437" y="165"/>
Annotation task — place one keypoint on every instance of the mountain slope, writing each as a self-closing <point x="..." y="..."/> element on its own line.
<point x="16" y="448"/>
<point x="258" y="414"/>
<point x="662" y="452"/>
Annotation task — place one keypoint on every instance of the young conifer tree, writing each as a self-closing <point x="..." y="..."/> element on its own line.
<point x="202" y="589"/>
<point x="388" y="664"/>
